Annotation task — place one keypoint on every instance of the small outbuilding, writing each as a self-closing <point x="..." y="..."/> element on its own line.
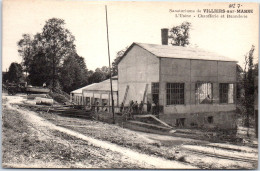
<point x="76" y="96"/>
<point x="97" y="94"/>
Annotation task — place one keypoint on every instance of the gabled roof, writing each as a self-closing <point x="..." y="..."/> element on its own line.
<point x="102" y="86"/>
<point x="179" y="52"/>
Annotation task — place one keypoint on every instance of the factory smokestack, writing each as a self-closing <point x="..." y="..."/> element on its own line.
<point x="164" y="34"/>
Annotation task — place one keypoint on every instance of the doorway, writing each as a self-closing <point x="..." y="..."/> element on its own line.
<point x="155" y="93"/>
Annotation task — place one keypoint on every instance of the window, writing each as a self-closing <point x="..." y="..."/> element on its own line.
<point x="96" y="101"/>
<point x="87" y="100"/>
<point x="175" y="93"/>
<point x="203" y="93"/>
<point x="226" y="93"/>
<point x="180" y="122"/>
<point x="210" y="119"/>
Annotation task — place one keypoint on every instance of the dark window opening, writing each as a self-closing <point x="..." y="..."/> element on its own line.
<point x="87" y="100"/>
<point x="96" y="101"/>
<point x="226" y="93"/>
<point x="210" y="119"/>
<point x="180" y="122"/>
<point x="192" y="124"/>
<point x="174" y="93"/>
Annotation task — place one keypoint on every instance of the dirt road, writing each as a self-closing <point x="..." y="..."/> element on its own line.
<point x="40" y="139"/>
<point x="101" y="154"/>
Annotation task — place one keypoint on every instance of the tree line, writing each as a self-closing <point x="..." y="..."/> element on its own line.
<point x="50" y="57"/>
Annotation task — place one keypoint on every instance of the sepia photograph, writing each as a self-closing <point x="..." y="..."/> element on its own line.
<point x="129" y="84"/>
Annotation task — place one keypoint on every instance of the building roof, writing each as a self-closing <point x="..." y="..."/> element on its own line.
<point x="167" y="51"/>
<point x="101" y="86"/>
<point x="79" y="91"/>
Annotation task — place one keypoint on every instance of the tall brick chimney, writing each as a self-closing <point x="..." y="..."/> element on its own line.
<point x="164" y="34"/>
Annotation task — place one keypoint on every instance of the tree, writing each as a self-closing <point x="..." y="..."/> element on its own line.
<point x="239" y="75"/>
<point x="50" y="47"/>
<point x="4" y="77"/>
<point x="39" y="69"/>
<point x="99" y="75"/>
<point x="15" y="73"/>
<point x="73" y="73"/>
<point x="248" y="85"/>
<point x="179" y="35"/>
<point x="25" y="50"/>
<point x="58" y="43"/>
<point x="118" y="58"/>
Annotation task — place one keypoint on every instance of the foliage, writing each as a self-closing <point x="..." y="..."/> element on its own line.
<point x="15" y="73"/>
<point x="54" y="47"/>
<point x="73" y="73"/>
<point x="39" y="73"/>
<point x="118" y="58"/>
<point x="248" y="85"/>
<point x="4" y="77"/>
<point x="63" y="68"/>
<point x="59" y="97"/>
<point x="179" y="35"/>
<point x="25" y="49"/>
<point x="239" y="75"/>
<point x="99" y="75"/>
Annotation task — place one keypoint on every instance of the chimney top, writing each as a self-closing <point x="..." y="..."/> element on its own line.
<point x="164" y="35"/>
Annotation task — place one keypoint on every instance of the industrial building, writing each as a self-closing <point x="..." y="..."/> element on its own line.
<point x="193" y="87"/>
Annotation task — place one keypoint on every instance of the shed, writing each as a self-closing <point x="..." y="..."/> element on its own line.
<point x="101" y="93"/>
<point x="96" y="92"/>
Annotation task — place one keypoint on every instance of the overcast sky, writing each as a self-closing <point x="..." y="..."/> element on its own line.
<point x="128" y="22"/>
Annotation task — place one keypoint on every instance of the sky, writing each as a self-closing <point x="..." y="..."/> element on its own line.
<point x="128" y="22"/>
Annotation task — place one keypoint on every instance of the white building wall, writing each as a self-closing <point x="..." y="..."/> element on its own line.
<point x="138" y="68"/>
<point x="190" y="72"/>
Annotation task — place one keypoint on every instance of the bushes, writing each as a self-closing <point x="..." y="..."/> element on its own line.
<point x="60" y="98"/>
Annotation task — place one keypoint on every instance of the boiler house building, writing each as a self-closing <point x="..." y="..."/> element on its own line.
<point x="194" y="88"/>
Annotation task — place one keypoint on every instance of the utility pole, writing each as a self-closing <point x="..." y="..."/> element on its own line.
<point x="110" y="70"/>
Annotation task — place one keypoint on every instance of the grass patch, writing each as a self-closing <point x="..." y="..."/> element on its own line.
<point x="21" y="147"/>
<point x="114" y="134"/>
<point x="168" y="149"/>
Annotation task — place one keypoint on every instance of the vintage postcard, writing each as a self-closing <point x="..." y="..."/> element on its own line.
<point x="130" y="84"/>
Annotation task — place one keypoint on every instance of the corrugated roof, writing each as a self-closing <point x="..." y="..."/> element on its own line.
<point x="167" y="51"/>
